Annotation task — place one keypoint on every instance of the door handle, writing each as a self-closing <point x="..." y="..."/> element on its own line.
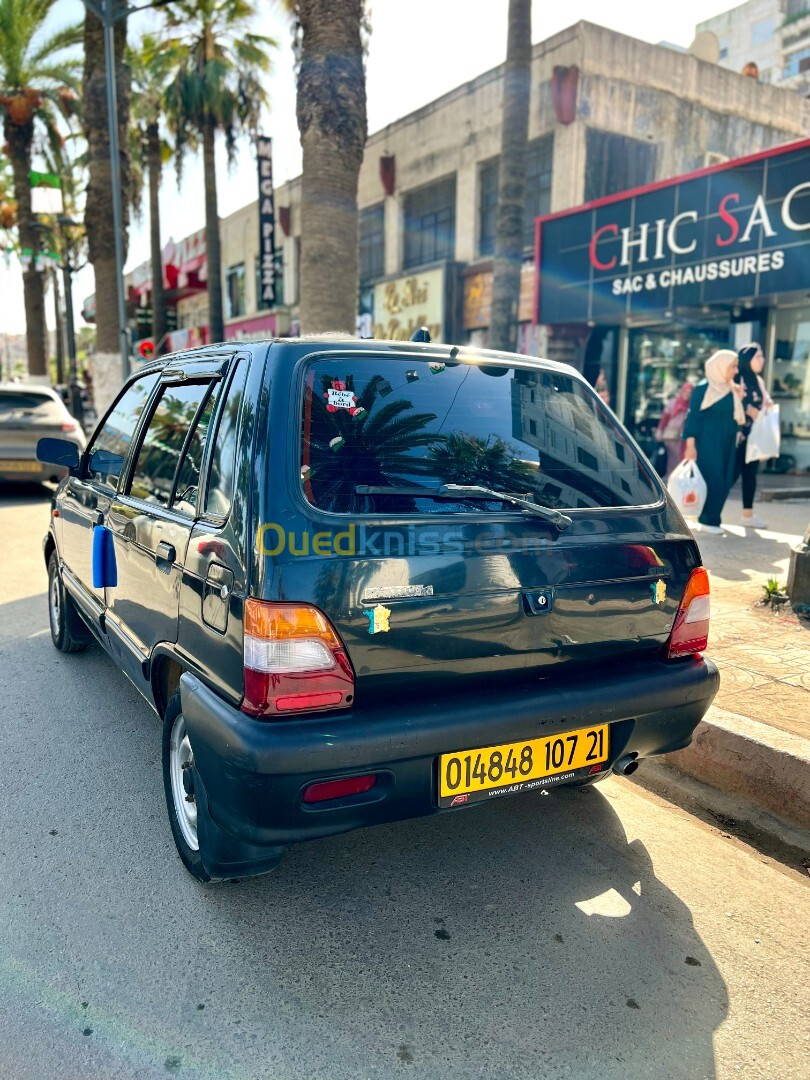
<point x="165" y="553"/>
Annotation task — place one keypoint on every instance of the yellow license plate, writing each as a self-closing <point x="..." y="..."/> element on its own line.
<point x="473" y="775"/>
<point x="19" y="466"/>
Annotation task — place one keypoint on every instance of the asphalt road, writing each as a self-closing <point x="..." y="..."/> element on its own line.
<point x="603" y="933"/>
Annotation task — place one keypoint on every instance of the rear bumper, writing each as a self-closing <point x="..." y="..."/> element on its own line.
<point x="251" y="773"/>
<point x="38" y="473"/>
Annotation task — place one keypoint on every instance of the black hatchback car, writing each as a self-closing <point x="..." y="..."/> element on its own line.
<point x="364" y="581"/>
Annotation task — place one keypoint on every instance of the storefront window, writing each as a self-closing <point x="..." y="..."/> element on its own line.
<point x="235" y="291"/>
<point x="372" y="243"/>
<point x="661" y="360"/>
<point x="791" y="384"/>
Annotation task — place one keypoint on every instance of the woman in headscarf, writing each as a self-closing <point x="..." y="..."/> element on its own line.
<point x="670" y="426"/>
<point x="713" y="425"/>
<point x="755" y="398"/>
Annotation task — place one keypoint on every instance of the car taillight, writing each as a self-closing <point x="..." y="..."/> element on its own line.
<point x="69" y="425"/>
<point x="294" y="661"/>
<point x="690" y="631"/>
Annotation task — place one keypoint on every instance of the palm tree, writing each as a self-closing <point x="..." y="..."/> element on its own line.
<point x="463" y="458"/>
<point x="332" y="121"/>
<point x="346" y="450"/>
<point x="216" y="88"/>
<point x="151" y="66"/>
<point x="8" y="207"/>
<point x="36" y="80"/>
<point x="511" y="178"/>
<point x="98" y="216"/>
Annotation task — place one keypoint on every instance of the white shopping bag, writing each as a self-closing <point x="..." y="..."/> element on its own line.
<point x="763" y="438"/>
<point x="688" y="488"/>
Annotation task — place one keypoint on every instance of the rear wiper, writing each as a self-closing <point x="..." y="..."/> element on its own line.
<point x="474" y="491"/>
<point x="459" y="492"/>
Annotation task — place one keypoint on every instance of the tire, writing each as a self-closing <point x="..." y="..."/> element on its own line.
<point x="67" y="630"/>
<point x="178" y="785"/>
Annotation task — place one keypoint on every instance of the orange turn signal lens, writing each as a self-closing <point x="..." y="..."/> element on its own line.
<point x="279" y="622"/>
<point x="690" y="631"/>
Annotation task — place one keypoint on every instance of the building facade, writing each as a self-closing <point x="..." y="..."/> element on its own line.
<point x="771" y="35"/>
<point x="608" y="114"/>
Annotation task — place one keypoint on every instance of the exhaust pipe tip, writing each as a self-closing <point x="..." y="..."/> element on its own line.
<point x="626" y="765"/>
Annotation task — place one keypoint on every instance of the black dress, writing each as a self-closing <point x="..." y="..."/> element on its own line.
<point x="748" y="469"/>
<point x="715" y="433"/>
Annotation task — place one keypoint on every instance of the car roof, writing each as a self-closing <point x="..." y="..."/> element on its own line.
<point x="346" y="341"/>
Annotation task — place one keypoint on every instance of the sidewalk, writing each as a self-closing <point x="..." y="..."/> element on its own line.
<point x="763" y="655"/>
<point x="755" y="741"/>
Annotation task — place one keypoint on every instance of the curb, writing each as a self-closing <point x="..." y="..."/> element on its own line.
<point x="777" y="494"/>
<point x="760" y="764"/>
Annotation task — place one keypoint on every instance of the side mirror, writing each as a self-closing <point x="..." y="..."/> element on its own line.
<point x="61" y="452"/>
<point x="106" y="462"/>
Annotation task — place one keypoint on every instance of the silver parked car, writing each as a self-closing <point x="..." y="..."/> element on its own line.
<point x="29" y="413"/>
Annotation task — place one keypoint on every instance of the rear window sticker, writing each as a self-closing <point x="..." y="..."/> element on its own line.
<point x="338" y="397"/>
<point x="336" y="443"/>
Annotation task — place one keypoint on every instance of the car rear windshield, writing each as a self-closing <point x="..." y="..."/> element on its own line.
<point x="26" y="401"/>
<point x="418" y="424"/>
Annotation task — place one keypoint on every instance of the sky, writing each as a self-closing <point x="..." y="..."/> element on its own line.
<point x="418" y="50"/>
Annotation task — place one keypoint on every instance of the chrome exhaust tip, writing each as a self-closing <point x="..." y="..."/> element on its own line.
<point x="626" y="765"/>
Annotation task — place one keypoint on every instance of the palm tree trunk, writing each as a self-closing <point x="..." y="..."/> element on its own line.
<point x="512" y="178"/>
<point x="19" y="139"/>
<point x="58" y="329"/>
<point x="331" y="110"/>
<point x="158" y="297"/>
<point x="216" y="322"/>
<point x="99" y="208"/>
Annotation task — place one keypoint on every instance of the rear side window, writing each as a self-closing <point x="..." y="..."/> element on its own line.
<point x="223" y="455"/>
<point x="159" y="454"/>
<point x="187" y="487"/>
<point x="111" y="444"/>
<point x="419" y="424"/>
<point x="28" y="402"/>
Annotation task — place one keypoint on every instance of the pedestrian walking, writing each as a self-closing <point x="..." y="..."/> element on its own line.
<point x="755" y="398"/>
<point x="712" y="429"/>
<point x="670" y="426"/>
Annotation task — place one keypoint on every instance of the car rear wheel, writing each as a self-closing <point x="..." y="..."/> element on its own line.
<point x="65" y="622"/>
<point x="178" y="784"/>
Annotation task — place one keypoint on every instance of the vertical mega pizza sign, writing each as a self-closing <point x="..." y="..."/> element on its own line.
<point x="733" y="232"/>
<point x="267" y="224"/>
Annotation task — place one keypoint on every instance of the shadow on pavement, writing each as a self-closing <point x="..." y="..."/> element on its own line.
<point x="525" y="938"/>
<point x="18" y="494"/>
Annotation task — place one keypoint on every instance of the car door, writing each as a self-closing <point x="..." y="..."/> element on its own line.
<point x="152" y="515"/>
<point x="86" y="497"/>
<point x="214" y="579"/>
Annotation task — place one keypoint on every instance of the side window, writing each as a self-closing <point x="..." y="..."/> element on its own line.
<point x="188" y="476"/>
<point x="159" y="453"/>
<point x="111" y="443"/>
<point x="223" y="458"/>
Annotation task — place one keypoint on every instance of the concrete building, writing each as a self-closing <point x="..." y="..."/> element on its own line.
<point x="773" y="35"/>
<point x="608" y="114"/>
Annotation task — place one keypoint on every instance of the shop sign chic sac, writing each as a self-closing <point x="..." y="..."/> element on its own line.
<point x="734" y="232"/>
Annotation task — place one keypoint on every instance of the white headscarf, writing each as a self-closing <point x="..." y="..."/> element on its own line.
<point x="717" y="374"/>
